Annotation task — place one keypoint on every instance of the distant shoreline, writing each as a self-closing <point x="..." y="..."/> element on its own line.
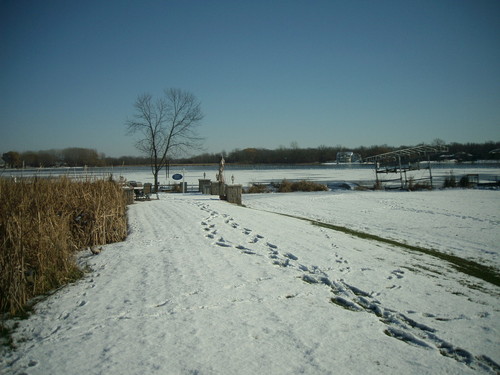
<point x="447" y="162"/>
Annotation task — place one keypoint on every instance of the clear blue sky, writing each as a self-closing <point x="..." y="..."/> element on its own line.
<point x="268" y="73"/>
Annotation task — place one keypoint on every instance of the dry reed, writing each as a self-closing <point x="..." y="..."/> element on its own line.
<point x="287" y="186"/>
<point x="42" y="223"/>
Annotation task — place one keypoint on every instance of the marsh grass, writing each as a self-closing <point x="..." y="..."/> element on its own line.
<point x="42" y="223"/>
<point x="258" y="189"/>
<point x="286" y="186"/>
<point x="303" y="185"/>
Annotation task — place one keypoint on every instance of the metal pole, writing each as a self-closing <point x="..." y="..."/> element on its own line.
<point x="183" y="179"/>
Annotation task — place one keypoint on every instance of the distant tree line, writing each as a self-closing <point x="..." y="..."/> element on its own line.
<point x="324" y="154"/>
<point x="73" y="157"/>
<point x="68" y="157"/>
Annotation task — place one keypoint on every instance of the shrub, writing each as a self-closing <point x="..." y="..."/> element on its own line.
<point x="258" y="189"/>
<point x="42" y="223"/>
<point x="415" y="186"/>
<point x="421" y="186"/>
<point x="450" y="181"/>
<point x="464" y="182"/>
<point x="287" y="186"/>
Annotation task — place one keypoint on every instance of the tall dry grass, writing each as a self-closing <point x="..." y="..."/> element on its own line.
<point x="42" y="223"/>
<point x="303" y="185"/>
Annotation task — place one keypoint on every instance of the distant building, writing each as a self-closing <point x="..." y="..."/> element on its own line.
<point x="495" y="154"/>
<point x="345" y="157"/>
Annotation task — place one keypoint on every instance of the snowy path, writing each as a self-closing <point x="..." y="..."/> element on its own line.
<point x="204" y="287"/>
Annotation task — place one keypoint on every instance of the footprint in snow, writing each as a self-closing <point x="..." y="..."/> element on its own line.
<point x="64" y="316"/>
<point x="309" y="279"/>
<point x="393" y="286"/>
<point x="212" y="234"/>
<point x="280" y="263"/>
<point x="403" y="328"/>
<point x="397" y="273"/>
<point x="222" y="242"/>
<point x="245" y="250"/>
<point x="256" y="238"/>
<point x="273" y="254"/>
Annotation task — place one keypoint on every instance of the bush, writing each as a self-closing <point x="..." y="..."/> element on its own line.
<point x="415" y="186"/>
<point x="287" y="186"/>
<point x="464" y="182"/>
<point x="258" y="189"/>
<point x="421" y="186"/>
<point x="42" y="223"/>
<point x="450" y="181"/>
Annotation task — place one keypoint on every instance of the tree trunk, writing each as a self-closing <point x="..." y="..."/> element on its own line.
<point x="155" y="174"/>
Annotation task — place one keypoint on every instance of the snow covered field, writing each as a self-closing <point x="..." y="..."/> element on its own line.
<point x="201" y="286"/>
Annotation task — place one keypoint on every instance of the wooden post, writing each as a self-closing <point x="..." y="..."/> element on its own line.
<point x="233" y="193"/>
<point x="214" y="188"/>
<point x="202" y="182"/>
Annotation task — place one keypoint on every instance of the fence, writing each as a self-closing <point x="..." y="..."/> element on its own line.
<point x="177" y="188"/>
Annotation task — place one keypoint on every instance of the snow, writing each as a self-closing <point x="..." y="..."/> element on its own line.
<point x="201" y="286"/>
<point x="468" y="220"/>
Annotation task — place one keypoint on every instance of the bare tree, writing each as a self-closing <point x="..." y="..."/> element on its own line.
<point x="167" y="125"/>
<point x="12" y="159"/>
